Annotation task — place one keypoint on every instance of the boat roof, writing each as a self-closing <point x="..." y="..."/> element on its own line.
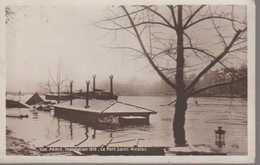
<point x="104" y="106"/>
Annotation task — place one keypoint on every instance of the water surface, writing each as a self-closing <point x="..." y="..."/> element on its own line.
<point x="41" y="128"/>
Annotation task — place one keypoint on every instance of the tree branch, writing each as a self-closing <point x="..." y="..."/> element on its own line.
<point x="52" y="78"/>
<point x="212" y="17"/>
<point x="209" y="55"/>
<point x="190" y="18"/>
<point x="173" y="15"/>
<point x="191" y="45"/>
<point x="121" y="16"/>
<point x="216" y="85"/>
<point x="127" y="27"/>
<point x="199" y="50"/>
<point x="194" y="82"/>
<point x="146" y="53"/>
<point x="46" y="86"/>
<point x="165" y="20"/>
<point x="125" y="48"/>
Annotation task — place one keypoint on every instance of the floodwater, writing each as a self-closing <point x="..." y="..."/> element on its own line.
<point x="202" y="120"/>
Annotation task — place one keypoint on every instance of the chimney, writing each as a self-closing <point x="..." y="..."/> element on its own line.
<point x="111" y="85"/>
<point x="94" y="85"/>
<point x="71" y="83"/>
<point x="87" y="94"/>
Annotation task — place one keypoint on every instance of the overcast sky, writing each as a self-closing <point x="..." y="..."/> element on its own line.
<point x="39" y="37"/>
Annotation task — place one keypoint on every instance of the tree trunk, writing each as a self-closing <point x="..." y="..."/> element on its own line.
<point x="181" y="100"/>
<point x="58" y="94"/>
<point x="179" y="119"/>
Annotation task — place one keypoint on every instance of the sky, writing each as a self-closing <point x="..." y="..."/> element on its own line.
<point x="38" y="38"/>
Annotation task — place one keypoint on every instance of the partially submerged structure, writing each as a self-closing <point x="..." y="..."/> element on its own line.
<point x="102" y="111"/>
<point x="101" y="107"/>
<point x="35" y="99"/>
<point x="16" y="101"/>
<point x="15" y="104"/>
<point x="63" y="96"/>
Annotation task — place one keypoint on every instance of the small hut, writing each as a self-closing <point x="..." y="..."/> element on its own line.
<point x="35" y="99"/>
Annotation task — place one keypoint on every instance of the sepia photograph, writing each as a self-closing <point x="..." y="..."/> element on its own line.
<point x="169" y="81"/>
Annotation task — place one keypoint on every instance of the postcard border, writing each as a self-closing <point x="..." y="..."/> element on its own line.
<point x="134" y="159"/>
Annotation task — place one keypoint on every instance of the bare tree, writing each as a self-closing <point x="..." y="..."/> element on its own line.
<point x="181" y="40"/>
<point x="56" y="83"/>
<point x="47" y="87"/>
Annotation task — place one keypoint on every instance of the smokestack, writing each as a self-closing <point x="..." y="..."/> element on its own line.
<point x="71" y="83"/>
<point x="111" y="85"/>
<point x="94" y="85"/>
<point x="87" y="94"/>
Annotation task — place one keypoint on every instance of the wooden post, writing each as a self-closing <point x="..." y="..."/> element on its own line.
<point x="71" y="83"/>
<point x="111" y="85"/>
<point x="71" y="131"/>
<point x="94" y="85"/>
<point x="58" y="93"/>
<point x="87" y="94"/>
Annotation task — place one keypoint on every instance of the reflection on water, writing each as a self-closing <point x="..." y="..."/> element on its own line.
<point x="87" y="136"/>
<point x="203" y="116"/>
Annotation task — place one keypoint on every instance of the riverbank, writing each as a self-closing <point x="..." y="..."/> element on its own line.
<point x="15" y="146"/>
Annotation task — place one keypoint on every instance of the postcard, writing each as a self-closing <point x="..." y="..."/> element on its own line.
<point x="127" y="81"/>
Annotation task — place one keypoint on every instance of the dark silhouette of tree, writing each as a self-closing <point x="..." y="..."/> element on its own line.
<point x="175" y="34"/>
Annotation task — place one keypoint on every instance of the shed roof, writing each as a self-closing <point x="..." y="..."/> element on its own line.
<point x="35" y="99"/>
<point x="15" y="104"/>
<point x="104" y="106"/>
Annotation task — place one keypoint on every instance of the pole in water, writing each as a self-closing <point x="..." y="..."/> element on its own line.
<point x="94" y="85"/>
<point x="71" y="83"/>
<point x="111" y="85"/>
<point x="87" y="94"/>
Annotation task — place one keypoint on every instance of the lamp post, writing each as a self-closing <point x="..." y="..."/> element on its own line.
<point x="87" y="94"/>
<point x="111" y="85"/>
<point x="220" y="137"/>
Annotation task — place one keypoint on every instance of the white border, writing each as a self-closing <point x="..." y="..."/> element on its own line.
<point x="250" y="158"/>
